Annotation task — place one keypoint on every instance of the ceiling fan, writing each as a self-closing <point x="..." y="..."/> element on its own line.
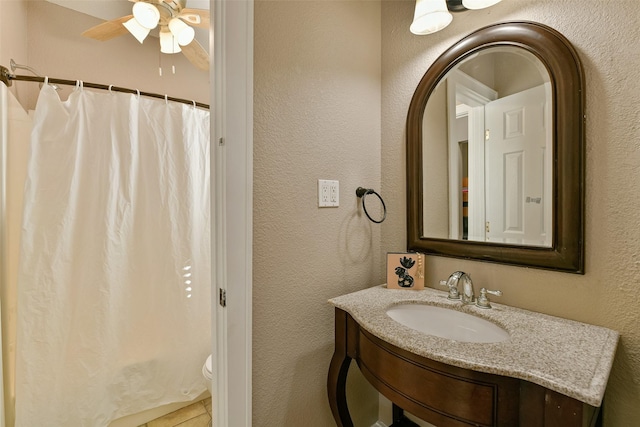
<point x="175" y="22"/>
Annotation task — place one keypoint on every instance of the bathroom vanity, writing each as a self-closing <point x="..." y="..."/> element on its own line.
<point x="549" y="372"/>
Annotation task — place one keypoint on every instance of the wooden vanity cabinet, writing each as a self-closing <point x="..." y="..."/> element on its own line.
<point x="444" y="395"/>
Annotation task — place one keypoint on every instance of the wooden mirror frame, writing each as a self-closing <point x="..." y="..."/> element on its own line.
<point x="567" y="87"/>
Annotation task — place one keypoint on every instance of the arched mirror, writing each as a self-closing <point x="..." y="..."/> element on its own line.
<point x="495" y="151"/>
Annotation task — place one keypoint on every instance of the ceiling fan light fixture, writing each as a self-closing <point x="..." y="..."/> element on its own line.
<point x="183" y="33"/>
<point x="137" y="30"/>
<point x="191" y="18"/>
<point x="168" y="43"/>
<point x="479" y="4"/>
<point x="159" y="14"/>
<point x="146" y="14"/>
<point x="430" y="16"/>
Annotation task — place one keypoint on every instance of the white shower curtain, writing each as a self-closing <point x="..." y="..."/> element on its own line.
<point x="114" y="283"/>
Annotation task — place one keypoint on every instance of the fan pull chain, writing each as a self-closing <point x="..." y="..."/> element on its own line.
<point x="173" y="66"/>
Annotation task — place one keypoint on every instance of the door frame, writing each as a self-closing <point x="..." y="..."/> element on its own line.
<point x="469" y="91"/>
<point x="232" y="197"/>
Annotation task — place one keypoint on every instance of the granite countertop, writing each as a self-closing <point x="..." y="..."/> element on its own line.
<point x="566" y="356"/>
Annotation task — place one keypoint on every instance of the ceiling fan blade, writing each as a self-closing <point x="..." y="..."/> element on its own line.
<point x="196" y="54"/>
<point x="108" y="29"/>
<point x="195" y="17"/>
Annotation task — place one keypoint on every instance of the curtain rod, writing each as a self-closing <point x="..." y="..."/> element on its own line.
<point x="7" y="78"/>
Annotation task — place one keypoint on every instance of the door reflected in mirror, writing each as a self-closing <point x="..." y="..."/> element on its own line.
<point x="487" y="151"/>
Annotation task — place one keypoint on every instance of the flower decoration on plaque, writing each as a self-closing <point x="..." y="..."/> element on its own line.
<point x="405" y="270"/>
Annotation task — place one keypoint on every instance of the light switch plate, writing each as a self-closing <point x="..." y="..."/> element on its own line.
<point x="328" y="193"/>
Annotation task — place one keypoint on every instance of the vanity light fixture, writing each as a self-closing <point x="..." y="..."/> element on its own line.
<point x="479" y="4"/>
<point x="434" y="15"/>
<point x="430" y="16"/>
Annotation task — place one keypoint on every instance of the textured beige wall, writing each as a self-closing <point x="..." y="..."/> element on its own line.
<point x="13" y="32"/>
<point x="317" y="116"/>
<point x="607" y="37"/>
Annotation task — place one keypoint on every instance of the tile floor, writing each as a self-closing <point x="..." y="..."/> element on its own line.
<point x="195" y="415"/>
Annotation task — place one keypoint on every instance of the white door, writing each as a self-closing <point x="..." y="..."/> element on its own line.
<point x="518" y="157"/>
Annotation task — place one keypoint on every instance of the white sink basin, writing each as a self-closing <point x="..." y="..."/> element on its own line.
<point x="446" y="323"/>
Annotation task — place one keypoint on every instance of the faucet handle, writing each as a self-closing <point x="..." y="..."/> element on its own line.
<point x="453" y="288"/>
<point x="483" y="301"/>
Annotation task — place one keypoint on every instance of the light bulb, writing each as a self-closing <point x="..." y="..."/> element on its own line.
<point x="479" y="4"/>
<point x="168" y="43"/>
<point x="430" y="16"/>
<point x="146" y="14"/>
<point x="137" y="30"/>
<point x="182" y="32"/>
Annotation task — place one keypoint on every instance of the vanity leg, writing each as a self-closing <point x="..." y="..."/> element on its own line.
<point x="398" y="414"/>
<point x="600" y="417"/>
<point x="337" y="378"/>
<point x="399" y="420"/>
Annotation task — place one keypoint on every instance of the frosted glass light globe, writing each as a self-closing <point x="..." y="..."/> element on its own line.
<point x="137" y="30"/>
<point x="146" y="14"/>
<point x="479" y="4"/>
<point x="168" y="43"/>
<point x="430" y="16"/>
<point x="181" y="31"/>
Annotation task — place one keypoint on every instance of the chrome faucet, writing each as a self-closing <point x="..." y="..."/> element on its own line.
<point x="452" y="282"/>
<point x="467" y="296"/>
<point x="483" y="300"/>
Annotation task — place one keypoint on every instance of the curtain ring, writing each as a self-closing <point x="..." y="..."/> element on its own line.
<point x="194" y="104"/>
<point x="138" y="92"/>
<point x="166" y="99"/>
<point x="362" y="193"/>
<point x="110" y="87"/>
<point x="46" y="80"/>
<point x="79" y="84"/>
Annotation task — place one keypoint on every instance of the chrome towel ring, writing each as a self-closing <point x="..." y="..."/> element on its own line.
<point x="362" y="194"/>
